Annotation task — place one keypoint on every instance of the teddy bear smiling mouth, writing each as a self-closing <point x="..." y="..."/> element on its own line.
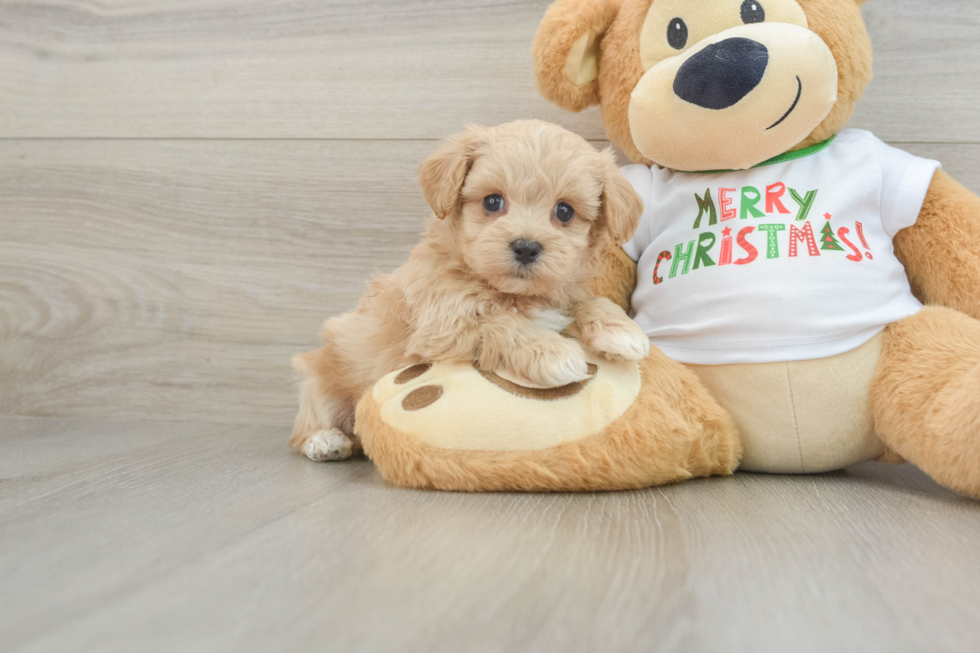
<point x="799" y="94"/>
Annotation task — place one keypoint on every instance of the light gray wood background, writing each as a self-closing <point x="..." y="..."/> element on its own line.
<point x="188" y="188"/>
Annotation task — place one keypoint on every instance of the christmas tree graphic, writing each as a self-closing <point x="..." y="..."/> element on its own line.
<point x="828" y="240"/>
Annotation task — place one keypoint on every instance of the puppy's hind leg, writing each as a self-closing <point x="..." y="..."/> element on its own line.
<point x="323" y="430"/>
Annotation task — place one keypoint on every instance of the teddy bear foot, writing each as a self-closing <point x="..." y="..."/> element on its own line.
<point x="925" y="399"/>
<point x="957" y="407"/>
<point x="328" y="445"/>
<point x="954" y="418"/>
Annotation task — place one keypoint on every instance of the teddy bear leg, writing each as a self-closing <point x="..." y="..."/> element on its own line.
<point x="925" y="398"/>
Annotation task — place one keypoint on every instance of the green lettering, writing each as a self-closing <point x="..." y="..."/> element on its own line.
<point x="705" y="242"/>
<point x="772" y="249"/>
<point x="682" y="256"/>
<point x="706" y="205"/>
<point x="750" y="197"/>
<point x="806" y="203"/>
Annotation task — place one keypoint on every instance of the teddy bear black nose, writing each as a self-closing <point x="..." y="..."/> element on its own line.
<point x="722" y="74"/>
<point x="525" y="251"/>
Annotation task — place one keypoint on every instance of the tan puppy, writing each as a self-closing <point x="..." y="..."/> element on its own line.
<point x="523" y="213"/>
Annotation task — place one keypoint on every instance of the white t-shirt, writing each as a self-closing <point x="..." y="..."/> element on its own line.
<point x="791" y="260"/>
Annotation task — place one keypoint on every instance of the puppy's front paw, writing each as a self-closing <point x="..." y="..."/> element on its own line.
<point x="328" y="445"/>
<point x="558" y="365"/>
<point x="621" y="340"/>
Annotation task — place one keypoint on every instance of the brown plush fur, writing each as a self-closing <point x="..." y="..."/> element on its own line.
<point x="924" y="398"/>
<point x="837" y="22"/>
<point x="620" y="69"/>
<point x="673" y="431"/>
<point x="556" y="37"/>
<point x="462" y="296"/>
<point x="617" y="279"/>
<point x="840" y="25"/>
<point x="940" y="251"/>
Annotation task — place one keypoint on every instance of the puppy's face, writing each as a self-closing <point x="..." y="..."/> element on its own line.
<point x="530" y="204"/>
<point x="529" y="208"/>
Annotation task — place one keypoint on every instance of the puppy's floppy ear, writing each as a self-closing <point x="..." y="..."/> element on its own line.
<point x="443" y="173"/>
<point x="566" y="51"/>
<point x="622" y="207"/>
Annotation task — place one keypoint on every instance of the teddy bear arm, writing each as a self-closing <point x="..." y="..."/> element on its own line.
<point x="617" y="280"/>
<point x="941" y="251"/>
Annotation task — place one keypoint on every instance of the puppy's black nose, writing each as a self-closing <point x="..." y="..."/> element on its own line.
<point x="525" y="251"/>
<point x="722" y="74"/>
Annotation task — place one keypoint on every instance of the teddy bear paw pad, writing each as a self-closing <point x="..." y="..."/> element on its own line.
<point x="457" y="406"/>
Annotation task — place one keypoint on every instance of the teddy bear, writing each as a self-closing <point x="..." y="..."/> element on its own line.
<point x="812" y="295"/>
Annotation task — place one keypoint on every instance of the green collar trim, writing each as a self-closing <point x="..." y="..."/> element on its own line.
<point x="782" y="158"/>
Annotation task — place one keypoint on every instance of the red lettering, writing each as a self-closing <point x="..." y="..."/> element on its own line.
<point x="773" y="193"/>
<point x="856" y="256"/>
<point x="664" y="256"/>
<point x="797" y="236"/>
<point x="728" y="212"/>
<point x="750" y="250"/>
<point x="726" y="247"/>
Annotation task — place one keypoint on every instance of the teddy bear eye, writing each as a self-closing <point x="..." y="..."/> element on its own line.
<point x="493" y="203"/>
<point x="677" y="33"/>
<point x="752" y="12"/>
<point x="564" y="213"/>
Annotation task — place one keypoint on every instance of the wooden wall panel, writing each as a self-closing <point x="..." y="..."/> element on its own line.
<point x="389" y="69"/>
<point x="174" y="279"/>
<point x="160" y="278"/>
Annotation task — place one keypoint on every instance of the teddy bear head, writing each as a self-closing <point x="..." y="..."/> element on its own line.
<point x="700" y="85"/>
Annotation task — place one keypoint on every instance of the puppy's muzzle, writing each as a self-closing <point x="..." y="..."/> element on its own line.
<point x="526" y="252"/>
<point x="720" y="75"/>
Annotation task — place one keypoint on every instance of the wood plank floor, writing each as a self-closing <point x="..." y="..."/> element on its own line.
<point x="153" y="536"/>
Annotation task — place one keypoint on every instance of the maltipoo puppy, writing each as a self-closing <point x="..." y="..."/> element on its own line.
<point x="501" y="278"/>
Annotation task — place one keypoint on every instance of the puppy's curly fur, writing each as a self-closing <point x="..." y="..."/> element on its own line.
<point x="464" y="295"/>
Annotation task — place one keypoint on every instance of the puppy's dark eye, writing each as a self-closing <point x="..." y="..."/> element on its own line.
<point x="564" y="213"/>
<point x="752" y="12"/>
<point x="493" y="203"/>
<point x="677" y="33"/>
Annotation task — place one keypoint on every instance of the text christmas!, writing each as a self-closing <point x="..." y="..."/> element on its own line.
<point x="744" y="204"/>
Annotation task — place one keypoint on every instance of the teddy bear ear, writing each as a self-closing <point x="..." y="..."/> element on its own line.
<point x="566" y="51"/>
